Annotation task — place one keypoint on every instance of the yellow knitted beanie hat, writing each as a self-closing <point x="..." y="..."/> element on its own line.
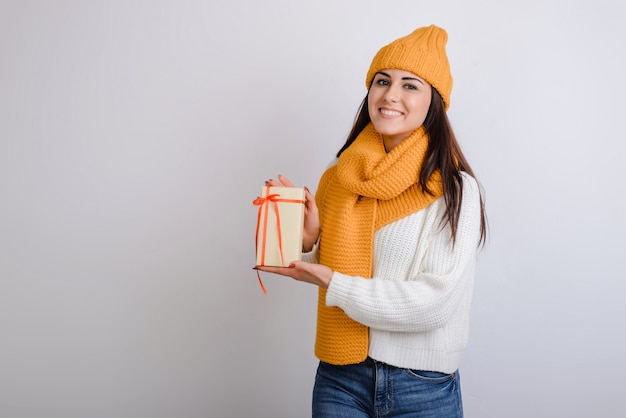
<point x="422" y="53"/>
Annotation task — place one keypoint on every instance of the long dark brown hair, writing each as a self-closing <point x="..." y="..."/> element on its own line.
<point x="443" y="154"/>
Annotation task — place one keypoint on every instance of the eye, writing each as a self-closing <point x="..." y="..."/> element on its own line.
<point x="382" y="82"/>
<point x="409" y="86"/>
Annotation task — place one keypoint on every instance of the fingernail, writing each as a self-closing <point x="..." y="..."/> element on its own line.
<point x="307" y="189"/>
<point x="292" y="265"/>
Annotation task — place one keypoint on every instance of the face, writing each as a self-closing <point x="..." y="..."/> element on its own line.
<point x="398" y="102"/>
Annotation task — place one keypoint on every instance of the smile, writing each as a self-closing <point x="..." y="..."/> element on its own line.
<point x="388" y="112"/>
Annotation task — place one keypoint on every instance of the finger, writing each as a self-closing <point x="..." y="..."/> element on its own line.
<point x="284" y="271"/>
<point x="285" y="181"/>
<point x="297" y="264"/>
<point x="310" y="197"/>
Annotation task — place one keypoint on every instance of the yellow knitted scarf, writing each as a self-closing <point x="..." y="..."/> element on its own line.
<point x="366" y="190"/>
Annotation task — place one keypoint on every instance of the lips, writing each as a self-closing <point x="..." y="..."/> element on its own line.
<point x="389" y="112"/>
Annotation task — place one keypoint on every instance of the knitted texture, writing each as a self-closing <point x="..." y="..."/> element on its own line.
<point x="366" y="190"/>
<point x="418" y="302"/>
<point x="422" y="53"/>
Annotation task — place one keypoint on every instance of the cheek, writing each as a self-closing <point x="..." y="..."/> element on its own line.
<point x="420" y="110"/>
<point x="370" y="103"/>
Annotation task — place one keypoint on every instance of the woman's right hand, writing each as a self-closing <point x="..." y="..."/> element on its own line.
<point x="311" y="214"/>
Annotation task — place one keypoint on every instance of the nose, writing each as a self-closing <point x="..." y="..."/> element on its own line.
<point x="392" y="94"/>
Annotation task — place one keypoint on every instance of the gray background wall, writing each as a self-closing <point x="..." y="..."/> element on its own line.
<point x="134" y="136"/>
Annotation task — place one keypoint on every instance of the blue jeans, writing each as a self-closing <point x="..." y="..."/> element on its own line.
<point x="374" y="389"/>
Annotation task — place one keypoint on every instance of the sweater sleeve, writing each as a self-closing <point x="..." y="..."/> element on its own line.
<point x="312" y="256"/>
<point x="419" y="291"/>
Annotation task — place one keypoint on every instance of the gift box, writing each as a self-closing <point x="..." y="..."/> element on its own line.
<point x="280" y="222"/>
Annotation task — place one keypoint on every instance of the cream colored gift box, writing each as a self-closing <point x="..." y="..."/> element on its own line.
<point x="280" y="223"/>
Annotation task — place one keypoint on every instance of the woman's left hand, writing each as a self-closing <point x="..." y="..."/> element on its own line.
<point x="302" y="271"/>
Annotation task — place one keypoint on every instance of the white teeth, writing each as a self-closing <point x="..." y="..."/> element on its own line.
<point x="390" y="112"/>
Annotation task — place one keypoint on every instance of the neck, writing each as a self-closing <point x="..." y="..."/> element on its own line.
<point x="390" y="143"/>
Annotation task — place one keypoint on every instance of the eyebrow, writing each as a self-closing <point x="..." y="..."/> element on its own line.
<point x="403" y="78"/>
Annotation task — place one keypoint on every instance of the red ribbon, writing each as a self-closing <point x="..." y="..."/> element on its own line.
<point x="264" y="202"/>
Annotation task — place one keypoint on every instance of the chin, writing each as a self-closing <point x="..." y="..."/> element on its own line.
<point x="385" y="131"/>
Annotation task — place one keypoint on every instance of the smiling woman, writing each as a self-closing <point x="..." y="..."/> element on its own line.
<point x="391" y="239"/>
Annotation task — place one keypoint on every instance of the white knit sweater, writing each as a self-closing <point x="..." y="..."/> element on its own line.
<point x="417" y="303"/>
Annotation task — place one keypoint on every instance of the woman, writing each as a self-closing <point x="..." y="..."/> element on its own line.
<point x="390" y="239"/>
